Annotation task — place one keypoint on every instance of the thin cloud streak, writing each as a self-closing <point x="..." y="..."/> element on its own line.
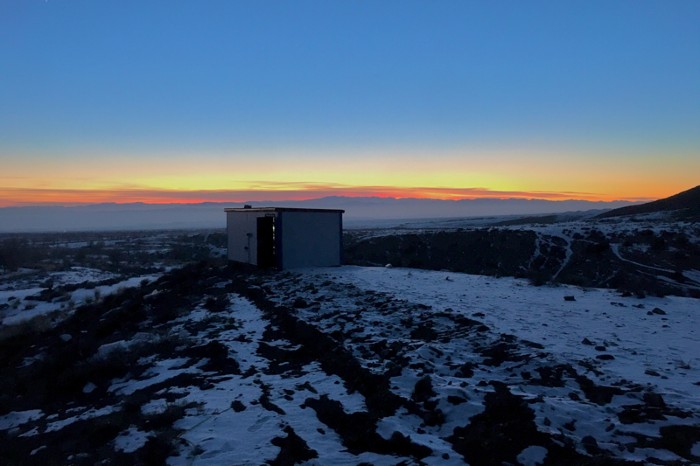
<point x="269" y="191"/>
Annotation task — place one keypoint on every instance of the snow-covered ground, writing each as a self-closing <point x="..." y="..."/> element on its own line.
<point x="390" y="366"/>
<point x="649" y="345"/>
<point x="16" y="298"/>
<point x="639" y="339"/>
<point x="640" y="346"/>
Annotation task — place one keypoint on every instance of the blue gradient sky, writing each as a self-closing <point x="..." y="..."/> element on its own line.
<point x="596" y="98"/>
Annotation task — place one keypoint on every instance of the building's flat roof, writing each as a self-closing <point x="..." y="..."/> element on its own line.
<point x="280" y="209"/>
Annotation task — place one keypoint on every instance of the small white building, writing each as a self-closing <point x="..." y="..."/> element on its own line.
<point x="284" y="237"/>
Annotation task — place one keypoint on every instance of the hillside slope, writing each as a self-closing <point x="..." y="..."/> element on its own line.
<point x="684" y="205"/>
<point x="636" y="257"/>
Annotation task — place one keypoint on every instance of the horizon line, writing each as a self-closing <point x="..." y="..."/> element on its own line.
<point x="283" y="192"/>
<point x="311" y="199"/>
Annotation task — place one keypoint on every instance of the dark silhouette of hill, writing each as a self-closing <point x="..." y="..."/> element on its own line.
<point x="681" y="206"/>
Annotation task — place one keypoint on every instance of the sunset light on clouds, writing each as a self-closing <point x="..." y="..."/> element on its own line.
<point x="173" y="102"/>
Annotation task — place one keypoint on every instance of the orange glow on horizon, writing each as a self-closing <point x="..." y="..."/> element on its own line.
<point x="90" y="176"/>
<point x="270" y="192"/>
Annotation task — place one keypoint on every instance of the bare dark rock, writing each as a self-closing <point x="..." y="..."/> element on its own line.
<point x="423" y="390"/>
<point x="434" y="417"/>
<point x="299" y="303"/>
<point x="238" y="406"/>
<point x="506" y="349"/>
<point x="532" y="344"/>
<point x="500" y="432"/>
<point x="423" y="332"/>
<point x="571" y="425"/>
<point x="293" y="449"/>
<point x="590" y="444"/>
<point x="358" y="430"/>
<point x="654" y="400"/>
<point x="266" y="402"/>
<point x="456" y="400"/>
<point x="553" y="376"/>
<point x="632" y="414"/>
<point x="216" y="303"/>
<point x="598" y="394"/>
<point x="466" y="370"/>
<point x="680" y="440"/>
<point x="156" y="450"/>
<point x="218" y="356"/>
<point x="306" y="386"/>
<point x="284" y="360"/>
<point x="654" y="408"/>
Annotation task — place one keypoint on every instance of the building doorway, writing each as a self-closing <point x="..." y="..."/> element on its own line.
<point x="266" y="242"/>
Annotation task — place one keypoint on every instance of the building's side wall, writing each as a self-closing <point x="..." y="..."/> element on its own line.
<point x="241" y="228"/>
<point x="310" y="239"/>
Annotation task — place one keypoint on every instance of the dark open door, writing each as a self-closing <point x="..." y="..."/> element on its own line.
<point x="266" y="242"/>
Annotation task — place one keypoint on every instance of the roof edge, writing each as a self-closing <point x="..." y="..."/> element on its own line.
<point x="280" y="209"/>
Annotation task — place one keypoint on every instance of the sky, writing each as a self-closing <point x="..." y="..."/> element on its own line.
<point x="192" y="101"/>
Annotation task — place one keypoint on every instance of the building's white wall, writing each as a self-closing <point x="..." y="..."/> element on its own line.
<point x="311" y="239"/>
<point x="241" y="247"/>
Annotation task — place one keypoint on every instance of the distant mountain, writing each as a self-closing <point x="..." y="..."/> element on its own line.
<point x="139" y="216"/>
<point x="412" y="208"/>
<point x="681" y="206"/>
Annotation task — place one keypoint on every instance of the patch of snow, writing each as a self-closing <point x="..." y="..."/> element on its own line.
<point x="693" y="275"/>
<point x="82" y="295"/>
<point x="6" y="295"/>
<point x="104" y="351"/>
<point x="131" y="440"/>
<point x="695" y="451"/>
<point x="17" y="418"/>
<point x="15" y="315"/>
<point x="532" y="456"/>
<point x="89" y="388"/>
<point x="89" y="414"/>
<point x="161" y="371"/>
<point x="155" y="406"/>
<point x="80" y="275"/>
<point x="36" y="450"/>
<point x="24" y="314"/>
